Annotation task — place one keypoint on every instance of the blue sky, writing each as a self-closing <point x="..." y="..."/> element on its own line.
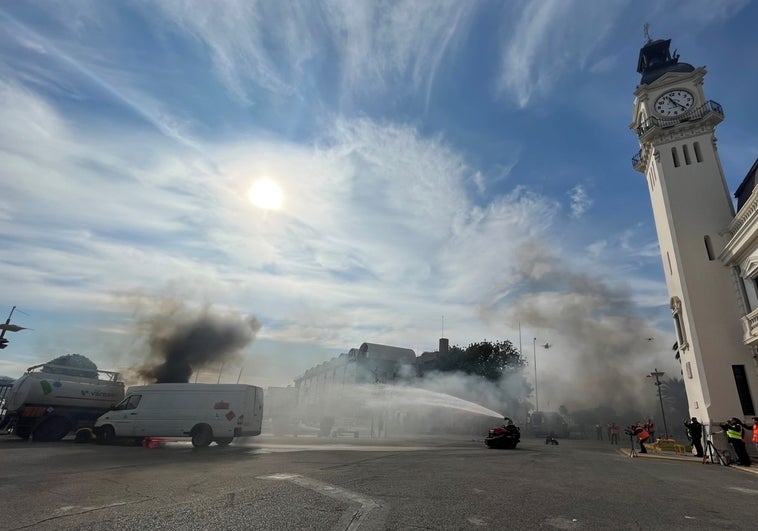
<point x="470" y="160"/>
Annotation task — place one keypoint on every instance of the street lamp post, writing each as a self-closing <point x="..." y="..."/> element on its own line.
<point x="657" y="374"/>
<point x="536" y="394"/>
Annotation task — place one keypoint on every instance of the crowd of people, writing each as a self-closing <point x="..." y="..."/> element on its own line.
<point x="642" y="433"/>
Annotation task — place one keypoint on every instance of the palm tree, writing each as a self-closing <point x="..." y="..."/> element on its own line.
<point x="675" y="401"/>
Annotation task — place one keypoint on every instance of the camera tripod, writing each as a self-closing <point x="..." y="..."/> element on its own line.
<point x="708" y="454"/>
<point x="633" y="450"/>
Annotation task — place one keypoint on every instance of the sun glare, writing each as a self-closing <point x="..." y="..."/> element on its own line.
<point x="265" y="193"/>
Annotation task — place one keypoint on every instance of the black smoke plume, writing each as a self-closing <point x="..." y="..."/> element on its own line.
<point x="183" y="341"/>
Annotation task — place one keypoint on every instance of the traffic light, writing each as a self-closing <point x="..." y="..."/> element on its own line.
<point x="3" y="343"/>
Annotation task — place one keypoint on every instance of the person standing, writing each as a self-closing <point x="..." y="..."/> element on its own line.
<point x="599" y="432"/>
<point x="650" y="427"/>
<point x="755" y="432"/>
<point x="614" y="433"/>
<point x="642" y="435"/>
<point x="695" y="433"/>
<point x="734" y="432"/>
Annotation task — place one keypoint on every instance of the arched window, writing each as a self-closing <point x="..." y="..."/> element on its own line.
<point x="681" y="332"/>
<point x="686" y="151"/>
<point x="675" y="156"/>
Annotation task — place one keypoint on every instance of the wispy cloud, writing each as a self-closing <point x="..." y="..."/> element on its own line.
<point x="548" y="39"/>
<point x="580" y="201"/>
<point x="370" y="208"/>
<point x="254" y="44"/>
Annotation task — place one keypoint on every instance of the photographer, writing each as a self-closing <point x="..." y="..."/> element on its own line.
<point x="695" y="434"/>
<point x="642" y="435"/>
<point x="734" y="432"/>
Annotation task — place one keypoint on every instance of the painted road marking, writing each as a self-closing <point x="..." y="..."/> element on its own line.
<point x="370" y="513"/>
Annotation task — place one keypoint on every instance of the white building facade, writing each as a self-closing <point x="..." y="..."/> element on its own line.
<point x="675" y="123"/>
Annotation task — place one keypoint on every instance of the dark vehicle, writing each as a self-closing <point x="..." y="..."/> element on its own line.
<point x="548" y="424"/>
<point x="506" y="436"/>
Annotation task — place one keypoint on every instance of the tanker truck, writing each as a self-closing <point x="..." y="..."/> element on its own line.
<point x="49" y="401"/>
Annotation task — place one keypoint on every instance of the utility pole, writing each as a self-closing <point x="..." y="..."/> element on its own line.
<point x="536" y="394"/>
<point x="656" y="374"/>
<point x="8" y="327"/>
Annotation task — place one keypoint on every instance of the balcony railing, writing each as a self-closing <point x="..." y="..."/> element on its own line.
<point x="750" y="328"/>
<point x="709" y="106"/>
<point x="694" y="114"/>
<point x="637" y="159"/>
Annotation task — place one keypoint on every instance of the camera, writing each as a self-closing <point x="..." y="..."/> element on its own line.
<point x="629" y="430"/>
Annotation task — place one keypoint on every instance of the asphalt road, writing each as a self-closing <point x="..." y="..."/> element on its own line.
<point x="350" y="484"/>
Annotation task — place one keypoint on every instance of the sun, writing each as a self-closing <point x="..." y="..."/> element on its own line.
<point x="265" y="193"/>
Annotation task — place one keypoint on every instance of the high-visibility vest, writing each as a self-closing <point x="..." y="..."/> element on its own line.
<point x="642" y="435"/>
<point x="755" y="432"/>
<point x="733" y="434"/>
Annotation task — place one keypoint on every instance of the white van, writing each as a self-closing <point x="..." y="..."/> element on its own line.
<point x="206" y="412"/>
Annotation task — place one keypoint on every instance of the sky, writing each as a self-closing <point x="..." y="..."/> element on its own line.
<point x="443" y="168"/>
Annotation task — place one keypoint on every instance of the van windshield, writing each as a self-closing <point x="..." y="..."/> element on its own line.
<point x="130" y="402"/>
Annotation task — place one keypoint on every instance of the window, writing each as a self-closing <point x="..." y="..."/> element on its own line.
<point x="708" y="247"/>
<point x="698" y="153"/>
<point x="681" y="332"/>
<point x="688" y="368"/>
<point x="130" y="402"/>
<point x="686" y="151"/>
<point x="668" y="258"/>
<point x="743" y="390"/>
<point x="675" y="157"/>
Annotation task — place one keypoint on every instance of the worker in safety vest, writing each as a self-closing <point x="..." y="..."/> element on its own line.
<point x="755" y="432"/>
<point x="734" y="433"/>
<point x="642" y="435"/>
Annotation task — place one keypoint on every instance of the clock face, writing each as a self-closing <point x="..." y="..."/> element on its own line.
<point x="674" y="103"/>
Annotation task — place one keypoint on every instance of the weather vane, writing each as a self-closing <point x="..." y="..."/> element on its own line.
<point x="646" y="30"/>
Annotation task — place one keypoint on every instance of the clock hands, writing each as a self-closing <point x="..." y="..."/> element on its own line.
<point x="675" y="102"/>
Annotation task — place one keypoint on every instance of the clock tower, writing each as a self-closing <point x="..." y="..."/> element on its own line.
<point x="675" y="124"/>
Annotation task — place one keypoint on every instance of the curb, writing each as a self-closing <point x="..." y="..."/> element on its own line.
<point x="686" y="459"/>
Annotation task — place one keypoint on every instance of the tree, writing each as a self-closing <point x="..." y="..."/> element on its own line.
<point x="675" y="402"/>
<point x="492" y="361"/>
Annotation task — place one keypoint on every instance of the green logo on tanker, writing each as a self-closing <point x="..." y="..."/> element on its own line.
<point x="46" y="387"/>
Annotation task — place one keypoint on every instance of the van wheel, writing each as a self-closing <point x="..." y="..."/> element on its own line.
<point x="52" y="429"/>
<point x="106" y="435"/>
<point x="225" y="441"/>
<point x="202" y="436"/>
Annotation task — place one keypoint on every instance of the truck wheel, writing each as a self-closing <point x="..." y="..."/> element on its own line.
<point x="202" y="435"/>
<point x="105" y="435"/>
<point x="52" y="429"/>
<point x="225" y="441"/>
